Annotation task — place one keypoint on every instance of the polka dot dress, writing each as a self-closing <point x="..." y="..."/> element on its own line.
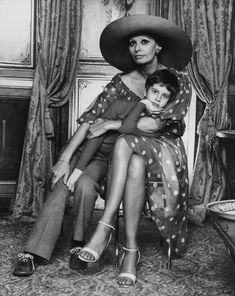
<point x="166" y="166"/>
<point x="167" y="174"/>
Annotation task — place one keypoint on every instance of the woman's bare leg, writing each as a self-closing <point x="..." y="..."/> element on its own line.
<point x="134" y="198"/>
<point x="116" y="183"/>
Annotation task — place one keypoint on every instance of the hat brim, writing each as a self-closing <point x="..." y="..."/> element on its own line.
<point x="176" y="46"/>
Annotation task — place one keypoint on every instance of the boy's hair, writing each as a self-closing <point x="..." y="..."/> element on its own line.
<point x="166" y="78"/>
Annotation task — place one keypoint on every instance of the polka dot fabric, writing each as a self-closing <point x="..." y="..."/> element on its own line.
<point x="167" y="174"/>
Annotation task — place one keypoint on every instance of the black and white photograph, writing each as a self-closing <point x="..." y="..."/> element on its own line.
<point x="117" y="140"/>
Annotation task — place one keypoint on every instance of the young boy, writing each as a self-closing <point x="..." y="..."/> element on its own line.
<point x="161" y="89"/>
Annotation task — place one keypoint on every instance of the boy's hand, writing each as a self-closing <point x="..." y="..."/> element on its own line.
<point x="151" y="107"/>
<point x="60" y="169"/>
<point x="73" y="178"/>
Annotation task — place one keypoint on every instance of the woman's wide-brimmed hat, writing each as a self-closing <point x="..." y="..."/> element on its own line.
<point x="176" y="46"/>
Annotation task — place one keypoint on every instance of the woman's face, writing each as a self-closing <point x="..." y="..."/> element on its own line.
<point x="143" y="49"/>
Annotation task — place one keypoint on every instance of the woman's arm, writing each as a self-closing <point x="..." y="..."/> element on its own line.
<point x="141" y="126"/>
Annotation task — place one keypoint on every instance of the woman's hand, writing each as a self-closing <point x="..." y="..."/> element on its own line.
<point x="60" y="169"/>
<point x="98" y="128"/>
<point x="151" y="107"/>
<point x="101" y="126"/>
<point x="73" y="178"/>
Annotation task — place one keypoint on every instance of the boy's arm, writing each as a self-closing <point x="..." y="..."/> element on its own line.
<point x="118" y="109"/>
<point x="112" y="118"/>
<point x="131" y="123"/>
<point x="151" y="124"/>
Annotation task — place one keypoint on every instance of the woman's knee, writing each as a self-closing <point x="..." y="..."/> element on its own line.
<point x="120" y="146"/>
<point x="136" y="169"/>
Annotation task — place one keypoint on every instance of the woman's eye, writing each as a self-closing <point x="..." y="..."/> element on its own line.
<point x="144" y="41"/>
<point x="131" y="43"/>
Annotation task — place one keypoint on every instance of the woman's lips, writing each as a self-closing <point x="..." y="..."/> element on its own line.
<point x="138" y="57"/>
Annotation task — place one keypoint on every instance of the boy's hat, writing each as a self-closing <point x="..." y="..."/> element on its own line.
<point x="114" y="41"/>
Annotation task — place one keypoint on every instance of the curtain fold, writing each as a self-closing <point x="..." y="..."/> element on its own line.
<point x="59" y="31"/>
<point x="208" y="24"/>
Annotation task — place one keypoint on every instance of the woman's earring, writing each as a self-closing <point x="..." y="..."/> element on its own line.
<point x="158" y="51"/>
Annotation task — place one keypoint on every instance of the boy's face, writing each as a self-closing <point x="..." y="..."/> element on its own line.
<point x="158" y="95"/>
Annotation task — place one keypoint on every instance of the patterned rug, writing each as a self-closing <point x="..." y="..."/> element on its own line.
<point x="205" y="270"/>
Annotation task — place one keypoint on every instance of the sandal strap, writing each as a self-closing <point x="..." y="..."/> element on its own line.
<point x="90" y="251"/>
<point x="130" y="250"/>
<point x="106" y="224"/>
<point x="133" y="250"/>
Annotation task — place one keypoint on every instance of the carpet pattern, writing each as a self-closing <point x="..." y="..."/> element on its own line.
<point x="205" y="270"/>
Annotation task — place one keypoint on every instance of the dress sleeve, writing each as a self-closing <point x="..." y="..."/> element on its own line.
<point x="99" y="105"/>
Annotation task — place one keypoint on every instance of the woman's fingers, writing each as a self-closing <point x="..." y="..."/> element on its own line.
<point x="96" y="124"/>
<point x="96" y="131"/>
<point x="73" y="178"/>
<point x="66" y="175"/>
<point x="55" y="179"/>
<point x="72" y="187"/>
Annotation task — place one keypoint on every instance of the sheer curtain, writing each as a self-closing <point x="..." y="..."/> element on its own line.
<point x="59" y="28"/>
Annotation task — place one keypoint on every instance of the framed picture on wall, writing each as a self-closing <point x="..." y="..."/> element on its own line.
<point x="17" y="34"/>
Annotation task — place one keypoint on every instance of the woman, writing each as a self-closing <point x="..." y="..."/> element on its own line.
<point x="139" y="45"/>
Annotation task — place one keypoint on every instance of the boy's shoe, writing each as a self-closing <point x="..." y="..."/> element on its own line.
<point x="75" y="262"/>
<point x="25" y="265"/>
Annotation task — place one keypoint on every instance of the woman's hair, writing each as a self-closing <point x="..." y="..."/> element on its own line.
<point x="166" y="78"/>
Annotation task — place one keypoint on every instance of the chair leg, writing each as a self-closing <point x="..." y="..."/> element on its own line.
<point x="116" y="240"/>
<point x="169" y="255"/>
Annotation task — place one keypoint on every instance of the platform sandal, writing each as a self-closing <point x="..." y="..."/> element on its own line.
<point x="128" y="275"/>
<point x="95" y="255"/>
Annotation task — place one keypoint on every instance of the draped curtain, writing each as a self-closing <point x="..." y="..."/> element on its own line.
<point x="208" y="24"/>
<point x="59" y="28"/>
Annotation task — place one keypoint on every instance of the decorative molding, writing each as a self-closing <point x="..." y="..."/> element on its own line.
<point x="82" y="84"/>
<point x="87" y="88"/>
<point x="16" y="83"/>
